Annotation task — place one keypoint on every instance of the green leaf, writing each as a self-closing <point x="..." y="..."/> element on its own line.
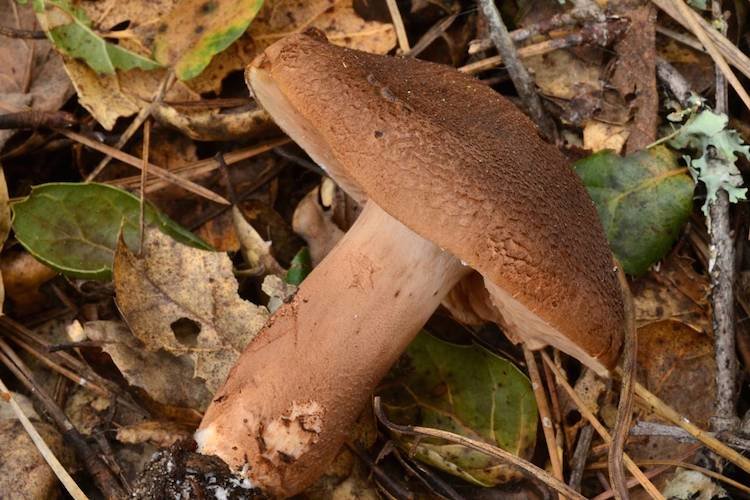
<point x="69" y="29"/>
<point x="643" y="201"/>
<point x="300" y="267"/>
<point x="73" y="227"/>
<point x="195" y="31"/>
<point x="717" y="148"/>
<point x="466" y="390"/>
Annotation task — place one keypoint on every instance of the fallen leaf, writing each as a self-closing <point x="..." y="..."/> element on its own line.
<point x="195" y="31"/>
<point x="315" y="224"/>
<point x="73" y="227"/>
<point x="599" y="136"/>
<point x="643" y="201"/>
<point x="184" y="300"/>
<point x="466" y="390"/>
<point x="300" y="267"/>
<point x="561" y="74"/>
<point x="22" y="276"/>
<point x="32" y="74"/>
<point x="674" y="291"/>
<point x="676" y="363"/>
<point x="70" y="30"/>
<point x="165" y="377"/>
<point x="160" y="433"/>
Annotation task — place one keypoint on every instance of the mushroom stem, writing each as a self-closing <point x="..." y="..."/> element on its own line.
<point x="292" y="398"/>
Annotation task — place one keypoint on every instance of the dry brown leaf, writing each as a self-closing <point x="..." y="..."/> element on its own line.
<point x="160" y="433"/>
<point x="676" y="363"/>
<point x="48" y="86"/>
<point x="22" y="277"/>
<point x="675" y="292"/>
<point x="560" y="74"/>
<point x="214" y="124"/>
<point x="86" y="410"/>
<point x="234" y="58"/>
<point x="25" y="472"/>
<point x="598" y="135"/>
<point x="315" y="225"/>
<point x="166" y="378"/>
<point x="185" y="301"/>
<point x="335" y="18"/>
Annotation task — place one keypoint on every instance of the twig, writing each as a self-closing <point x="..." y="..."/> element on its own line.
<point x="137" y="163"/>
<point x="101" y="475"/>
<point x="600" y="34"/>
<point x="544" y="413"/>
<point x="661" y="430"/>
<point x="721" y="269"/>
<point x="394" y="487"/>
<point x="19" y="33"/>
<point x="35" y="119"/>
<point x="580" y="456"/>
<point x="437" y="30"/>
<point x="140" y="118"/>
<point x="625" y="405"/>
<point x="574" y="16"/>
<point x="665" y="411"/>
<point x="49" y="457"/>
<point x="493" y="451"/>
<point x="522" y="81"/>
<point x="600" y="429"/>
<point x="398" y="24"/>
<point x="144" y="175"/>
<point x="431" y="480"/>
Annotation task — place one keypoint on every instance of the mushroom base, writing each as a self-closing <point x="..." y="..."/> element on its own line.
<point x="293" y="396"/>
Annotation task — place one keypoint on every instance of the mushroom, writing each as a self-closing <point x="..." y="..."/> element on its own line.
<point x="455" y="179"/>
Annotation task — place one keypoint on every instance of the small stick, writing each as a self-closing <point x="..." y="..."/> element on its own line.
<point x="674" y="81"/>
<point x="137" y="163"/>
<point x="398" y="24"/>
<point x="722" y="272"/>
<point x="144" y="175"/>
<point x="580" y="456"/>
<point x="70" y="485"/>
<point x="493" y="451"/>
<point x="665" y="411"/>
<point x="19" y="33"/>
<point x="601" y="430"/>
<point x="544" y="413"/>
<point x="393" y="487"/>
<point x="34" y="119"/>
<point x="522" y="81"/>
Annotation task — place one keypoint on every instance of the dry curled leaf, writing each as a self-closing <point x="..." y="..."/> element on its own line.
<point x="185" y="301"/>
<point x="166" y="378"/>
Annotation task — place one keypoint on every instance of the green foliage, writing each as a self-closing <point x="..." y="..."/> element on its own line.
<point x="643" y="201"/>
<point x="716" y="147"/>
<point x="300" y="267"/>
<point x="73" y="227"/>
<point x="466" y="390"/>
<point x="194" y="31"/>
<point x="69" y="29"/>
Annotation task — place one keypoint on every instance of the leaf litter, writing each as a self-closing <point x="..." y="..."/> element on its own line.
<point x="183" y="314"/>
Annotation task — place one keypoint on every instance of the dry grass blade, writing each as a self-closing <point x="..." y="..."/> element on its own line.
<point x="49" y="457"/>
<point x="732" y="54"/>
<point x="490" y="450"/>
<point x="601" y="430"/>
<point x="398" y="24"/>
<point x="137" y="163"/>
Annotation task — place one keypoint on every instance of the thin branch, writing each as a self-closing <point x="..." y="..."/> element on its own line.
<point x="544" y="413"/>
<point x="600" y="429"/>
<point x="493" y="451"/>
<point x="19" y="33"/>
<point x="34" y="119"/>
<point x="522" y="81"/>
<point x="144" y="175"/>
<point x="580" y="456"/>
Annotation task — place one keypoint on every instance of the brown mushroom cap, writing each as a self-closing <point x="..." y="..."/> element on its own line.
<point x="460" y="165"/>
